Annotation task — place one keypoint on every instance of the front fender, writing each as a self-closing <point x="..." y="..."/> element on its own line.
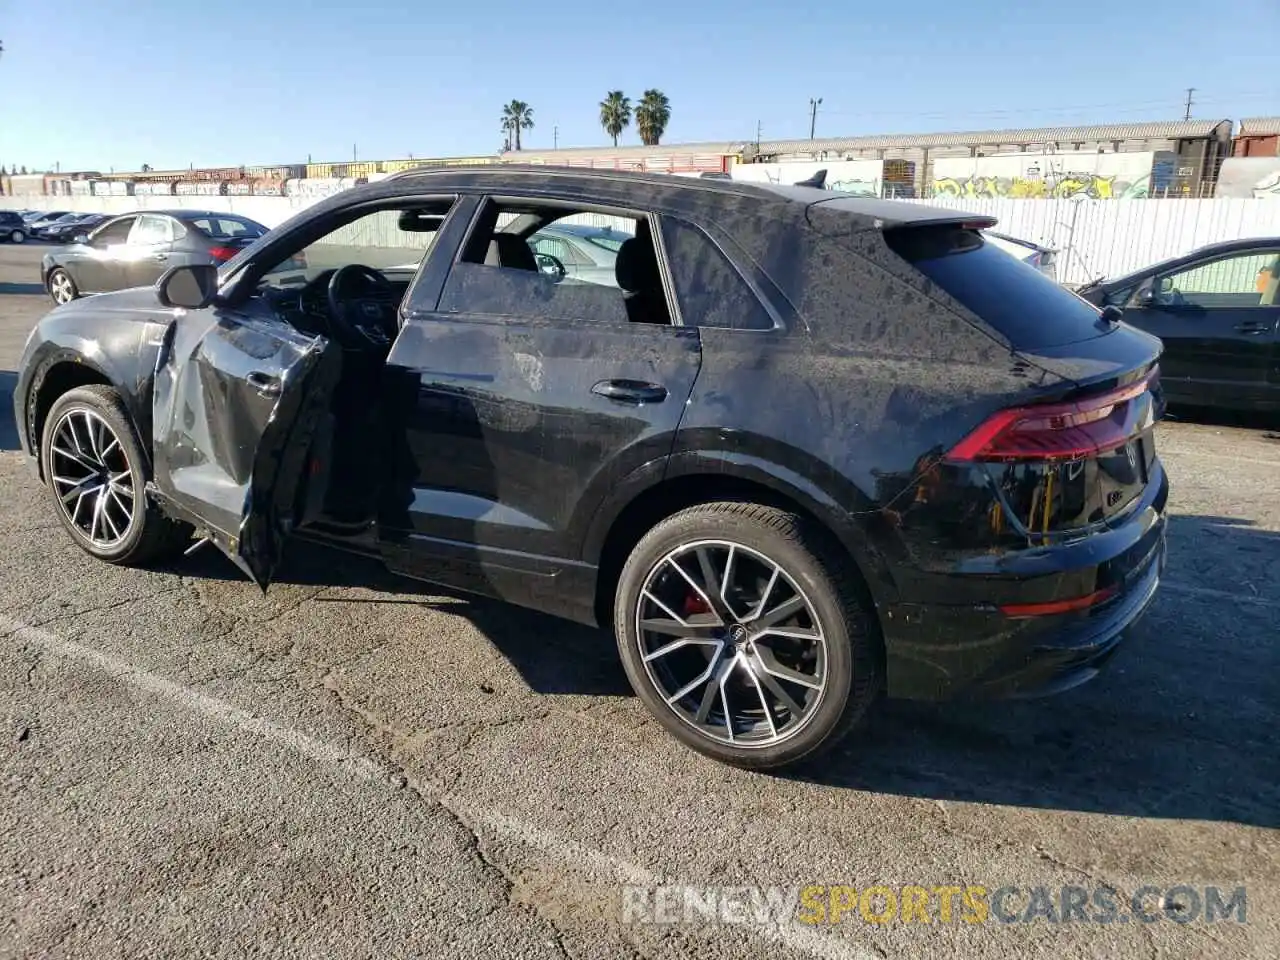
<point x="118" y="352"/>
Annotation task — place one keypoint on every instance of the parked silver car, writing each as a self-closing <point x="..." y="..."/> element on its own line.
<point x="587" y="254"/>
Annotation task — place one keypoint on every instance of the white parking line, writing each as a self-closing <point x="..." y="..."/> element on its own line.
<point x="1210" y="594"/>
<point x="789" y="934"/>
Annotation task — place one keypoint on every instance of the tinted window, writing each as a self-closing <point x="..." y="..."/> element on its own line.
<point x="501" y="292"/>
<point x="710" y="291"/>
<point x="1243" y="280"/>
<point x="151" y="230"/>
<point x="114" y="232"/>
<point x="228" y="228"/>
<point x="1014" y="298"/>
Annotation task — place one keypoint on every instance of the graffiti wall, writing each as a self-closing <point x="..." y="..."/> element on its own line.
<point x="863" y="178"/>
<point x="1055" y="176"/>
<point x="1251" y="177"/>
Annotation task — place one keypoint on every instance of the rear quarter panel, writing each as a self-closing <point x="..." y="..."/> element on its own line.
<point x="870" y="380"/>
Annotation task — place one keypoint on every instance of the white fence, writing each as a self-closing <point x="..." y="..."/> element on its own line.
<point x="1109" y="237"/>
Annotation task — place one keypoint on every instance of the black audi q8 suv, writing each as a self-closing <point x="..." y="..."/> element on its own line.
<point x="803" y="450"/>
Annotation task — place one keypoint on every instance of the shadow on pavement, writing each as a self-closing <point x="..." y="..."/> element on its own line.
<point x="1212" y="417"/>
<point x="553" y="656"/>
<point x="8" y="429"/>
<point x="1181" y="723"/>
<point x="21" y="289"/>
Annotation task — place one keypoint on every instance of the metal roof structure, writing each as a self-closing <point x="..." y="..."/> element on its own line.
<point x="1157" y="130"/>
<point x="1260" y="127"/>
<point x="637" y="151"/>
<point x="1162" y="130"/>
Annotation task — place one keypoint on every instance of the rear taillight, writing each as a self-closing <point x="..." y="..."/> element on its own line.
<point x="222" y="253"/>
<point x="1052" y="607"/>
<point x="1057" y="431"/>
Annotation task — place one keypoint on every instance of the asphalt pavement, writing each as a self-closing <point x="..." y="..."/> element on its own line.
<point x="356" y="765"/>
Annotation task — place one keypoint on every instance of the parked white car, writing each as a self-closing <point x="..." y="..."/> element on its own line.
<point x="1043" y="259"/>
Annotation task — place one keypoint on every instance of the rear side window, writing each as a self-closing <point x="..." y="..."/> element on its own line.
<point x="1014" y="298"/>
<point x="710" y="291"/>
<point x="228" y="228"/>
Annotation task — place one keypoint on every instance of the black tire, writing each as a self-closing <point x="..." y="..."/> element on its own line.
<point x="150" y="535"/>
<point x="51" y="280"/>
<point x="836" y="594"/>
<point x="18" y="236"/>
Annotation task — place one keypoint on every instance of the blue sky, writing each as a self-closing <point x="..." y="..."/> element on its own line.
<point x="119" y="83"/>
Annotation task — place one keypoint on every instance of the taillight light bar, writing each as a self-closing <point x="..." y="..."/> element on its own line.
<point x="222" y="253"/>
<point x="1051" y="607"/>
<point x="1053" y="431"/>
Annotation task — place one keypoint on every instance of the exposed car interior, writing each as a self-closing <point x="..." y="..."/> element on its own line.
<point x="349" y="284"/>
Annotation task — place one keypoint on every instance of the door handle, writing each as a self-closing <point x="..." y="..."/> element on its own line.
<point x="160" y="256"/>
<point x="630" y="391"/>
<point x="1254" y="326"/>
<point x="264" y="383"/>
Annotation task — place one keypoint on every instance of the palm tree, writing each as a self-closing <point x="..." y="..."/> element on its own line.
<point x="653" y="113"/>
<point x="516" y="116"/>
<point x="615" y="113"/>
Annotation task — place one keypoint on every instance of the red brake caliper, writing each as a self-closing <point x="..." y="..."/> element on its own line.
<point x="694" y="604"/>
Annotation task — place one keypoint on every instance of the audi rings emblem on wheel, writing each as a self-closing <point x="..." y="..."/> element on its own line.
<point x="91" y="477"/>
<point x="731" y="643"/>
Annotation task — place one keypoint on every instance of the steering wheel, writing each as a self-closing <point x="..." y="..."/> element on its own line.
<point x="365" y="319"/>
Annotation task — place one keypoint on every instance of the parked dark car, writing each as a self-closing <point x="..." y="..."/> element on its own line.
<point x="1217" y="311"/>
<point x="41" y="220"/>
<point x="808" y="448"/>
<point x="42" y="227"/>
<point x="13" y="229"/>
<point x="135" y="249"/>
<point x="64" y="231"/>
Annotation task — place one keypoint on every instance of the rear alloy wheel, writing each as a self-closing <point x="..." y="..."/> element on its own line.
<point x="18" y="236"/>
<point x="96" y="474"/>
<point x="61" y="287"/>
<point x="747" y="637"/>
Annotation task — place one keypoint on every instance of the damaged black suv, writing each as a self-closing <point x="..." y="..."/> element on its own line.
<point x="796" y="449"/>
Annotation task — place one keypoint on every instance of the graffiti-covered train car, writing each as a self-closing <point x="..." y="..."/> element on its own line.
<point x="154" y="188"/>
<point x="1097" y="176"/>
<point x="200" y="188"/>
<point x="675" y="158"/>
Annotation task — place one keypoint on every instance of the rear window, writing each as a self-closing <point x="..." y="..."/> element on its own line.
<point x="228" y="228"/>
<point x="1013" y="297"/>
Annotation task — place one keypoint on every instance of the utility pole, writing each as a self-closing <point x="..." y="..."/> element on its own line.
<point x="555" y="138"/>
<point x="354" y="158"/>
<point x="813" y="115"/>
<point x="1187" y="115"/>
<point x="757" y="136"/>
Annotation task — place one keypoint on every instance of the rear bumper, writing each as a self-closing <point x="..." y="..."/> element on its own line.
<point x="948" y="651"/>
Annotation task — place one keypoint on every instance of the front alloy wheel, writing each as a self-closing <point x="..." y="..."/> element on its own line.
<point x="747" y="634"/>
<point x="96" y="474"/>
<point x="92" y="478"/>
